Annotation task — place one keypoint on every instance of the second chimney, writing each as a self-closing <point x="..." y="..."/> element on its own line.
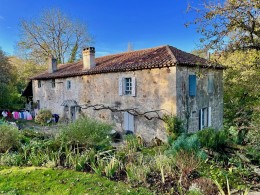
<point x="52" y="64"/>
<point x="88" y="54"/>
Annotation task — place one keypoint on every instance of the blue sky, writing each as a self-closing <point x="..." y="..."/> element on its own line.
<point x="113" y="23"/>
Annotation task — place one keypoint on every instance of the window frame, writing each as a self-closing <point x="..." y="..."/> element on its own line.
<point x="205" y="117"/>
<point x="127" y="88"/>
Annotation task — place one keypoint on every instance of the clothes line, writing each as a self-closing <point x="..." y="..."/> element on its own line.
<point x="24" y="114"/>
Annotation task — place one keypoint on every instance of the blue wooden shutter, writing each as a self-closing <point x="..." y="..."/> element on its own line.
<point x="192" y="85"/>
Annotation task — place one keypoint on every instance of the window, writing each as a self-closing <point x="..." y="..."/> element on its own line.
<point x="53" y="83"/>
<point x="39" y="84"/>
<point x="128" y="122"/>
<point x="192" y="85"/>
<point x="68" y="85"/>
<point x="210" y="84"/>
<point x="127" y="86"/>
<point x="204" y="118"/>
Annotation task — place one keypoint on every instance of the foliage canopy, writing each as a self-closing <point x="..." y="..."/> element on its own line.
<point x="53" y="33"/>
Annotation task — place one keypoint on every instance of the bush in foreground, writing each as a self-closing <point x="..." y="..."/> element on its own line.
<point x="86" y="132"/>
<point x="213" y="139"/>
<point x="9" y="137"/>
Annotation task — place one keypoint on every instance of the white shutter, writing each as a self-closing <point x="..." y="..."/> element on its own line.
<point x="120" y="86"/>
<point x="133" y="86"/>
<point x="131" y="122"/>
<point x="209" y="116"/>
<point x="126" y="128"/>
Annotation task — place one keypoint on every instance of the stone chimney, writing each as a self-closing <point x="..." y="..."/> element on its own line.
<point x="52" y="64"/>
<point x="88" y="54"/>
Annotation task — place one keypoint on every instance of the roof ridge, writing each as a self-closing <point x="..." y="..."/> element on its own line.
<point x="174" y="59"/>
<point x="139" y="50"/>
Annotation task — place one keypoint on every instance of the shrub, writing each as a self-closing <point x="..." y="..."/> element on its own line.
<point x="9" y="137"/>
<point x="86" y="132"/>
<point x="212" y="139"/>
<point x="174" y="127"/>
<point x="188" y="144"/>
<point x="43" y="116"/>
<point x="253" y="152"/>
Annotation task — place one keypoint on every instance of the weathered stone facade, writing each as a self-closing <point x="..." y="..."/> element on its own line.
<point x="188" y="107"/>
<point x="164" y="80"/>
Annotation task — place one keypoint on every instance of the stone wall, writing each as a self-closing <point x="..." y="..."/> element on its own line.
<point x="155" y="90"/>
<point x="188" y="106"/>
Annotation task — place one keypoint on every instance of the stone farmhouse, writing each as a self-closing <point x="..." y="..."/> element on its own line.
<point x="134" y="90"/>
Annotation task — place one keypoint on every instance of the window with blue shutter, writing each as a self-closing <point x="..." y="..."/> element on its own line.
<point x="192" y="85"/>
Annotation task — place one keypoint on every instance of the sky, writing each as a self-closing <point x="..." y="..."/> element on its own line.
<point x="112" y="23"/>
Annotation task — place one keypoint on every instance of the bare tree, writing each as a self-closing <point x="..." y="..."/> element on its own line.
<point x="53" y="33"/>
<point x="229" y="24"/>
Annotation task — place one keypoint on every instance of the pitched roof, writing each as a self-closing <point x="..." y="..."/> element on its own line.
<point x="158" y="57"/>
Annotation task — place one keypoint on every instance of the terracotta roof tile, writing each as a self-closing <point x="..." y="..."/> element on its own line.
<point x="158" y="57"/>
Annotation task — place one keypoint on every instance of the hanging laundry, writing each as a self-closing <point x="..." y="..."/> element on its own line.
<point x="25" y="115"/>
<point x="29" y="116"/>
<point x="20" y="115"/>
<point x="9" y="115"/>
<point x="15" y="115"/>
<point x="4" y="114"/>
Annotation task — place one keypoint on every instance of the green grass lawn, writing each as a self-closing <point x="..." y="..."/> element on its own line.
<point x="35" y="180"/>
